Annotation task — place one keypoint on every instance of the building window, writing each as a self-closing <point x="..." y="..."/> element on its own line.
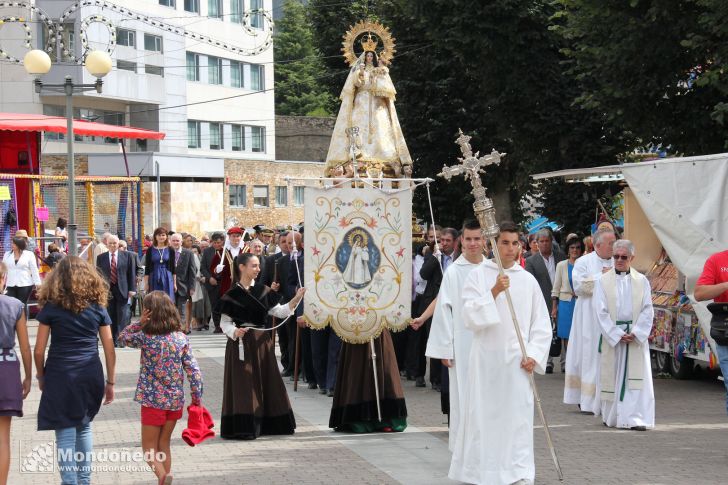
<point x="152" y="43"/>
<point x="214" y="9"/>
<point x="260" y="196"/>
<point x="216" y="136"/>
<point x="236" y="11"/>
<point x="167" y="3"/>
<point x="238" y="196"/>
<point x="125" y="65"/>
<point x="126" y="37"/>
<point x="238" y="139"/>
<point x="258" y="138"/>
<point x="214" y="70"/>
<point x="257" y="77"/>
<point x="298" y="195"/>
<point x="192" y="6"/>
<point x="281" y="196"/>
<point x="193" y="66"/>
<point x="69" y="40"/>
<point x="256" y="19"/>
<point x="154" y="70"/>
<point x="193" y="134"/>
<point x="236" y="74"/>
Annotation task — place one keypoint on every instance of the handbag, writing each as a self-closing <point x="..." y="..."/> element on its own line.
<point x="719" y="322"/>
<point x="555" y="349"/>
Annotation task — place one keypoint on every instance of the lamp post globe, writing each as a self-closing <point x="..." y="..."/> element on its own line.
<point x="98" y="63"/>
<point x="37" y="62"/>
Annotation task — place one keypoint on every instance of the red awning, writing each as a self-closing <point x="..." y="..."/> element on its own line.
<point x="32" y="122"/>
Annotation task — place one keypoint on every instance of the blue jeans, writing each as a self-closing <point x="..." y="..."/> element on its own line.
<point x="69" y="443"/>
<point x="722" y="354"/>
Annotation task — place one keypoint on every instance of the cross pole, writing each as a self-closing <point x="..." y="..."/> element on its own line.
<point x="471" y="166"/>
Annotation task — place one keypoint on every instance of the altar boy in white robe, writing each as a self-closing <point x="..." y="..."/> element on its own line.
<point x="495" y="434"/>
<point x="449" y="340"/>
<point x="623" y="304"/>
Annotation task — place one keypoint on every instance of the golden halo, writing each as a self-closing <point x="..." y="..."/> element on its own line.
<point x="382" y="34"/>
<point x="358" y="232"/>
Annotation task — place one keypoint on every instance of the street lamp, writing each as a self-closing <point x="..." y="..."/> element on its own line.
<point x="98" y="64"/>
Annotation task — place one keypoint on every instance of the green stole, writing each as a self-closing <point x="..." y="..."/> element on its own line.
<point x="634" y="371"/>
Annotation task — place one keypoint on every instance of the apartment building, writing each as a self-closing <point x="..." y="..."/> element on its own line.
<point x="201" y="71"/>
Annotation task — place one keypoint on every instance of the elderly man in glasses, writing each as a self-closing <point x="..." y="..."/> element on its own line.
<point x="623" y="305"/>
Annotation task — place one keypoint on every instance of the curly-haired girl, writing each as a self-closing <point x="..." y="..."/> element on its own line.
<point x="73" y="297"/>
<point x="166" y="357"/>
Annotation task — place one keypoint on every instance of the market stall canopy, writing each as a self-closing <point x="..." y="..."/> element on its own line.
<point x="56" y="124"/>
<point x="686" y="203"/>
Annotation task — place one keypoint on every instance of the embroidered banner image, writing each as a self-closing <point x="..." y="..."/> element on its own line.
<point x="357" y="260"/>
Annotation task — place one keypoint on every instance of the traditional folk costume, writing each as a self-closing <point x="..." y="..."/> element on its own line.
<point x="495" y="433"/>
<point x="449" y="339"/>
<point x="581" y="385"/>
<point x="226" y="275"/>
<point x="254" y="401"/>
<point x="623" y="305"/>
<point x="355" y="403"/>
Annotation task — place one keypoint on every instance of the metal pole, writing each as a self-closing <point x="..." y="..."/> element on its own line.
<point x="72" y="226"/>
<point x="376" y="379"/>
<point x="159" y="195"/>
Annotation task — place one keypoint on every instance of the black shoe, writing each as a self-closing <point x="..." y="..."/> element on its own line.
<point x="217" y="330"/>
<point x="549" y="369"/>
<point x="206" y="327"/>
<point x="331" y="393"/>
<point x="420" y="382"/>
<point x="410" y="377"/>
<point x="287" y="373"/>
<point x="436" y="387"/>
<point x="322" y="391"/>
<point x="639" y="428"/>
<point x="312" y="385"/>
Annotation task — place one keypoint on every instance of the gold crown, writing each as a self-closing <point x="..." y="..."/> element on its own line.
<point x="369" y="43"/>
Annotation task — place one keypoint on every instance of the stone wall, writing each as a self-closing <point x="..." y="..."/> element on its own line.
<point x="58" y="164"/>
<point x="303" y="137"/>
<point x="270" y="174"/>
<point x="198" y="206"/>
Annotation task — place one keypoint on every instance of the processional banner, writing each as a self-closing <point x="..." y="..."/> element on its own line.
<point x="357" y="260"/>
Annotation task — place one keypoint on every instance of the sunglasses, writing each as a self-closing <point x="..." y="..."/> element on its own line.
<point x="618" y="257"/>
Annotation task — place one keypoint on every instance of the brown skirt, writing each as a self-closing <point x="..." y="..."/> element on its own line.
<point x="355" y="399"/>
<point x="254" y="398"/>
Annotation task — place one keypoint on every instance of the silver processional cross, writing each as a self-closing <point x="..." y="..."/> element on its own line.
<point x="471" y="166"/>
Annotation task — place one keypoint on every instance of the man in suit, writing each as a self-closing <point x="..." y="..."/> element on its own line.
<point x="275" y="273"/>
<point x="123" y="246"/>
<point x="185" y="271"/>
<point x="543" y="267"/>
<point x="432" y="270"/>
<point x="119" y="271"/>
<point x="217" y="240"/>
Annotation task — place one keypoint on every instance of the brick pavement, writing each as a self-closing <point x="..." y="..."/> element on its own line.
<point x="688" y="445"/>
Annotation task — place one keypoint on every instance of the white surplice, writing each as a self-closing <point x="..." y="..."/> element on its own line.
<point x="581" y="385"/>
<point x="637" y="406"/>
<point x="449" y="339"/>
<point x="495" y="435"/>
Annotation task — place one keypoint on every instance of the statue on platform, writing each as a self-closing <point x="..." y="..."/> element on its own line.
<point x="367" y="102"/>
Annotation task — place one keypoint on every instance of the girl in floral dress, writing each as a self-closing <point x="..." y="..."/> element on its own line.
<point x="166" y="357"/>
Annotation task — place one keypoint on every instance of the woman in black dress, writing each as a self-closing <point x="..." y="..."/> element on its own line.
<point x="73" y="297"/>
<point x="254" y="399"/>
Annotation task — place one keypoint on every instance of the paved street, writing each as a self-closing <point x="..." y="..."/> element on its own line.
<point x="688" y="445"/>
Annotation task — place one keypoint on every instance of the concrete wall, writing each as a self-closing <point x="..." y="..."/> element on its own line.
<point x="303" y="138"/>
<point x="271" y="174"/>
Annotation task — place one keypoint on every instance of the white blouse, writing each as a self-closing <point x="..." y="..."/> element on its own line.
<point x="24" y="272"/>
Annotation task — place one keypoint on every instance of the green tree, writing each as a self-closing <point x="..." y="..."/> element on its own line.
<point x="299" y="69"/>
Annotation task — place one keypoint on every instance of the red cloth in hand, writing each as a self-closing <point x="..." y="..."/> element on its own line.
<point x="199" y="424"/>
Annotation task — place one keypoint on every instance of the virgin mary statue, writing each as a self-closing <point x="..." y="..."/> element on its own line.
<point x="367" y="102"/>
